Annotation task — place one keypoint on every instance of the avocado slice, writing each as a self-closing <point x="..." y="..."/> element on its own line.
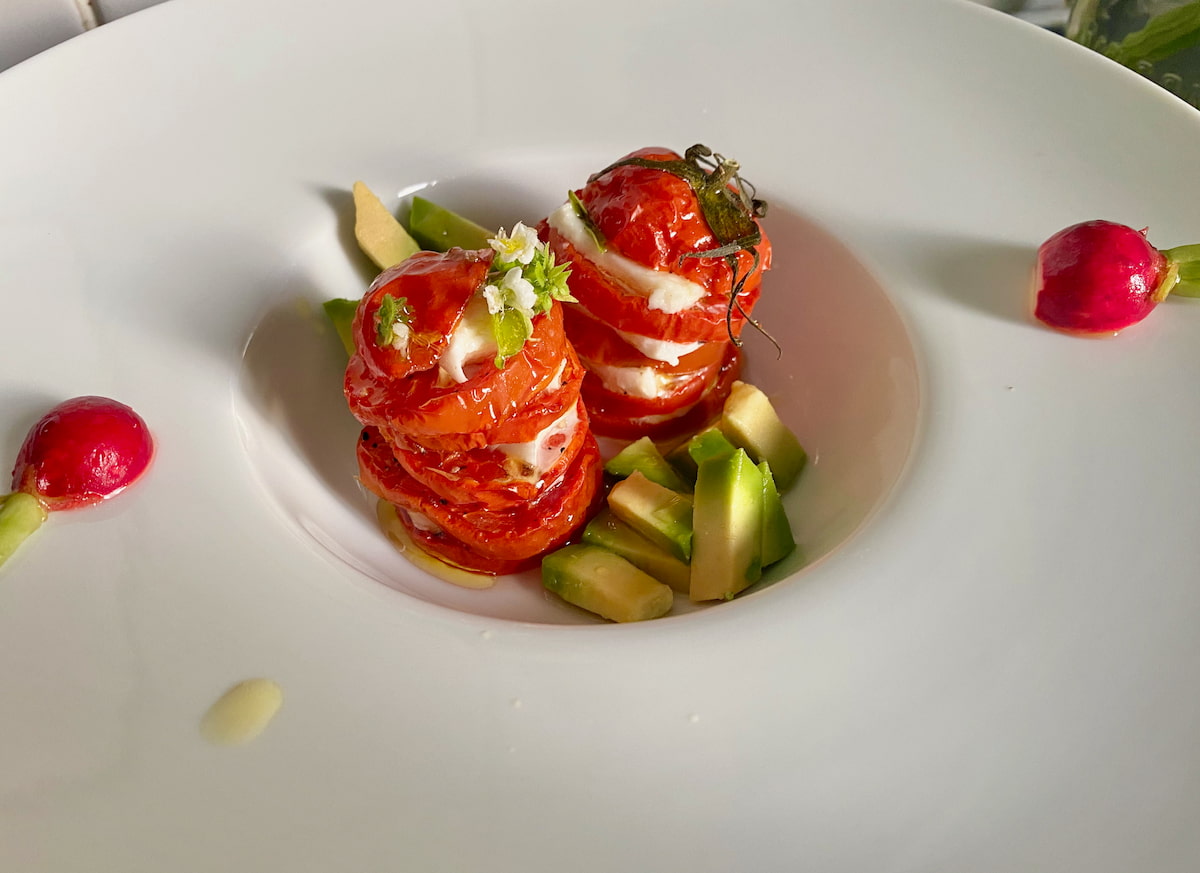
<point x="643" y="455"/>
<point x="340" y="313"/>
<point x="603" y="582"/>
<point x="777" y="539"/>
<point x="728" y="521"/>
<point x="705" y="444"/>
<point x="659" y="514"/>
<point x="438" y="229"/>
<point x="751" y="423"/>
<point x="609" y="532"/>
<point x="381" y="237"/>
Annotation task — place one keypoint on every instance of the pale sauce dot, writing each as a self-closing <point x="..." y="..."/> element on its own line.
<point x="242" y="713"/>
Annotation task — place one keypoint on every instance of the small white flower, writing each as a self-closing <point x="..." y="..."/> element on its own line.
<point x="520" y="290"/>
<point x="520" y="246"/>
<point x="494" y="298"/>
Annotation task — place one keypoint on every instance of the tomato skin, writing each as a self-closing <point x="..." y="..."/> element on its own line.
<point x="81" y="452"/>
<point x="418" y="407"/>
<point x="614" y="415"/>
<point x="653" y="217"/>
<point x="437" y="288"/>
<point x="597" y="342"/>
<point x="608" y="301"/>
<point x="486" y="475"/>
<point x="521" y="534"/>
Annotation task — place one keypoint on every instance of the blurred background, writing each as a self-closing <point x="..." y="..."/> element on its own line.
<point x="1160" y="39"/>
<point x="28" y="27"/>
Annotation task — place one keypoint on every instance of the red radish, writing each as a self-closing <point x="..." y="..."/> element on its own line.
<point x="81" y="452"/>
<point x="1099" y="277"/>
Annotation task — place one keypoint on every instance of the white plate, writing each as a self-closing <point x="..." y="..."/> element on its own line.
<point x="989" y="664"/>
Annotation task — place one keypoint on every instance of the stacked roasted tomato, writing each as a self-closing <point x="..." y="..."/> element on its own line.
<point x="661" y="296"/>
<point x="487" y="451"/>
<point x="489" y="466"/>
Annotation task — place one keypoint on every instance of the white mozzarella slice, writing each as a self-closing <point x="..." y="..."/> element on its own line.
<point x="664" y="291"/>
<point x="422" y="522"/>
<point x="472" y="341"/>
<point x="658" y="350"/>
<point x="533" y="458"/>
<point x="645" y="382"/>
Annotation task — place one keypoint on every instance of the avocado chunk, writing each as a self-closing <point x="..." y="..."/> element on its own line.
<point x="603" y="582"/>
<point x="645" y="457"/>
<point x="728" y="520"/>
<point x="609" y="532"/>
<point x="710" y="443"/>
<point x="777" y="539"/>
<point x="381" y="237"/>
<point x="751" y="423"/>
<point x="705" y="444"/>
<point x="659" y="514"/>
<point x="340" y="313"/>
<point x="438" y="229"/>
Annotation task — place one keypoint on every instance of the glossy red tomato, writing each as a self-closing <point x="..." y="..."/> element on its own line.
<point x="418" y="406"/>
<point x="653" y="217"/>
<point x="489" y="475"/>
<point x="519" y="535"/>
<point x="597" y="342"/>
<point x="607" y="300"/>
<point x="437" y="288"/>
<point x="618" y="416"/>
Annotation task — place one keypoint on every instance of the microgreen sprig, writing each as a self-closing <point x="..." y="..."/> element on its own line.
<point x="391" y="322"/>
<point x="523" y="282"/>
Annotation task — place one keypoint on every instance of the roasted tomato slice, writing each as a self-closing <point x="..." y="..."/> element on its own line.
<point x="617" y="416"/>
<point x="609" y="301"/>
<point x="436" y="288"/>
<point x="653" y="217"/>
<point x="491" y="475"/>
<point x="598" y="342"/>
<point x="419" y="406"/>
<point x="679" y="391"/>
<point x="520" y="534"/>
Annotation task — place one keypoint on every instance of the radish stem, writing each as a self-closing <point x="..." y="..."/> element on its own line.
<point x="20" y="515"/>
<point x="1187" y="259"/>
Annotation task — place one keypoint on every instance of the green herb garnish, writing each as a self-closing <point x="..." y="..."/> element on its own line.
<point x="523" y="282"/>
<point x="391" y="310"/>
<point x="590" y="226"/>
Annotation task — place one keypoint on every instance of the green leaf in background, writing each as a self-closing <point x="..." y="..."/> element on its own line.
<point x="1165" y="35"/>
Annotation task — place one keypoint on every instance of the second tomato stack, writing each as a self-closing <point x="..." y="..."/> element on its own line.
<point x="660" y="296"/>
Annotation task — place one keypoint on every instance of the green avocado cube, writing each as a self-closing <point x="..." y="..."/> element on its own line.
<point x="340" y="313"/>
<point x="728" y="523"/>
<point x="438" y="229"/>
<point x="659" y="514"/>
<point x="710" y="443"/>
<point x="644" y="456"/>
<point x="777" y="539"/>
<point x="751" y="423"/>
<point x="687" y="455"/>
<point x="603" y="582"/>
<point x="609" y="532"/>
